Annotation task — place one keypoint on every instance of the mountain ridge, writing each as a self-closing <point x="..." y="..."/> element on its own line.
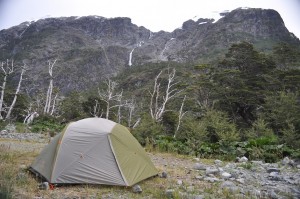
<point x="92" y="47"/>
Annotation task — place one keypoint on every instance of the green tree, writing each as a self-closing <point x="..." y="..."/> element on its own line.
<point x="286" y="55"/>
<point x="148" y="129"/>
<point x="281" y="110"/>
<point x="219" y="128"/>
<point x="71" y="107"/>
<point x="241" y="82"/>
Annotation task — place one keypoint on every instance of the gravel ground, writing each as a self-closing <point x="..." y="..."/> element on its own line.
<point x="191" y="177"/>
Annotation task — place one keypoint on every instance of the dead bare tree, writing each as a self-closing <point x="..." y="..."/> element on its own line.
<point x="180" y="116"/>
<point x="7" y="69"/>
<point x="16" y="93"/>
<point x="130" y="105"/>
<point x="119" y="107"/>
<point x="109" y="95"/>
<point x="49" y="99"/>
<point x="158" y="103"/>
<point x="96" y="110"/>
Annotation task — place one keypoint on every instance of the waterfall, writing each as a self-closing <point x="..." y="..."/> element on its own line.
<point x="130" y="57"/>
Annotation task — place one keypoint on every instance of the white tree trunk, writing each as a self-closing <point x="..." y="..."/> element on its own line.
<point x="180" y="116"/>
<point x="159" y="108"/>
<point x="50" y="89"/>
<point x="7" y="69"/>
<point x="53" y="105"/>
<point x="109" y="96"/>
<point x="16" y="95"/>
<point x="131" y="107"/>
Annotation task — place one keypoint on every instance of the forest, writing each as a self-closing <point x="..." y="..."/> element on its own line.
<point x="245" y="103"/>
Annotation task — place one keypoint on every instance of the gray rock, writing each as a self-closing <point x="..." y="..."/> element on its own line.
<point x="241" y="180"/>
<point x="137" y="189"/>
<point x="164" y="174"/>
<point x="196" y="159"/>
<point x="199" y="177"/>
<point x="211" y="179"/>
<point x="272" y="194"/>
<point x="11" y="128"/>
<point x="218" y="162"/>
<point x="227" y="184"/>
<point x="199" y="166"/>
<point x="211" y="171"/>
<point x="22" y="167"/>
<point x="243" y="159"/>
<point x="275" y="176"/>
<point x="285" y="161"/>
<point x="179" y="182"/>
<point x="230" y="186"/>
<point x="230" y="166"/>
<point x="198" y="197"/>
<point x="44" y="186"/>
<point x="170" y="193"/>
<point x="225" y="175"/>
<point x="257" y="162"/>
<point x="269" y="170"/>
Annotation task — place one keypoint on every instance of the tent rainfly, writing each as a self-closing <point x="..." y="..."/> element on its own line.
<point x="94" y="151"/>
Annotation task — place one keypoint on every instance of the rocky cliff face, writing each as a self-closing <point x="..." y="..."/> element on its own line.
<point x="90" y="48"/>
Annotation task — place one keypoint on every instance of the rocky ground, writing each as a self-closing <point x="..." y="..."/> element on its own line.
<point x="188" y="177"/>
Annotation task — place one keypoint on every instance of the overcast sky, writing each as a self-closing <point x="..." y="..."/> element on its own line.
<point x="155" y="15"/>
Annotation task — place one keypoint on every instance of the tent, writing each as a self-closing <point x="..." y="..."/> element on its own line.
<point x="94" y="151"/>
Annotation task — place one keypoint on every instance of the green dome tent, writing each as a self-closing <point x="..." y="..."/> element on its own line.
<point x="94" y="151"/>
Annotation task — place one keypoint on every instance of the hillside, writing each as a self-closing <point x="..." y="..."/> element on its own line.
<point x="90" y="48"/>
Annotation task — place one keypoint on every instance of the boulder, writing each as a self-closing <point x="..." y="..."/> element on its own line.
<point x="137" y="189"/>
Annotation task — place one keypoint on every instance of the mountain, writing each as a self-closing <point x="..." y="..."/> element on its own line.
<point x="90" y="48"/>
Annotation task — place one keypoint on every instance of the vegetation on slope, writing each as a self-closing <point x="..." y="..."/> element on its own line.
<point x="245" y="104"/>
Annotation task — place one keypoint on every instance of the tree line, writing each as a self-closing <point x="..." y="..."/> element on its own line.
<point x="247" y="102"/>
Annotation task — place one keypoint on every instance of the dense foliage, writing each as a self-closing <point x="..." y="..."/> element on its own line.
<point x="245" y="104"/>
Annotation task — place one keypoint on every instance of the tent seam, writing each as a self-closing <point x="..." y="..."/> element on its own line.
<point x="57" y="149"/>
<point x="112" y="149"/>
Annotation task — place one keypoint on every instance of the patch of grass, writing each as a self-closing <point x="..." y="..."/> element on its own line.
<point x="13" y="179"/>
<point x="247" y="165"/>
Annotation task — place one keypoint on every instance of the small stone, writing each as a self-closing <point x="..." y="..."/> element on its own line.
<point x="23" y="166"/>
<point x="211" y="171"/>
<point x="273" y="195"/>
<point x="256" y="162"/>
<point x="241" y="180"/>
<point x="230" y="166"/>
<point x="199" y="166"/>
<point x="164" y="174"/>
<point x="275" y="176"/>
<point x="269" y="170"/>
<point x="196" y="159"/>
<point x="298" y="166"/>
<point x="211" y="179"/>
<point x="199" y="177"/>
<point x="225" y="175"/>
<point x="179" y="182"/>
<point x="285" y="161"/>
<point x="230" y="186"/>
<point x="198" y="197"/>
<point x="243" y="159"/>
<point x="137" y="189"/>
<point x="44" y="186"/>
<point x="170" y="193"/>
<point x="218" y="162"/>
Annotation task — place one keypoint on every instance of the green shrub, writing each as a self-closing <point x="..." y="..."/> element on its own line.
<point x="45" y="123"/>
<point x="148" y="128"/>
